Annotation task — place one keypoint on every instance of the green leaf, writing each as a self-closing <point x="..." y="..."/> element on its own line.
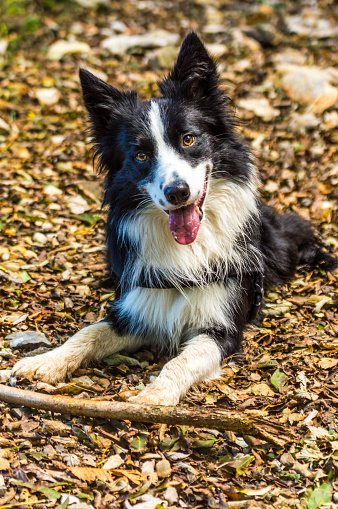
<point x="24" y="276"/>
<point x="87" y="218"/>
<point x="139" y="443"/>
<point x="117" y="359"/>
<point x="267" y="364"/>
<point x="320" y="496"/>
<point x="203" y="443"/>
<point x="279" y="379"/>
<point x="49" y="493"/>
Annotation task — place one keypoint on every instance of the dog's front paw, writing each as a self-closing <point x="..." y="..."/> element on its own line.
<point x="47" y="367"/>
<point x="156" y="395"/>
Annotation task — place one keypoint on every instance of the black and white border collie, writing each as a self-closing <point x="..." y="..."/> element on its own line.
<point x="189" y="241"/>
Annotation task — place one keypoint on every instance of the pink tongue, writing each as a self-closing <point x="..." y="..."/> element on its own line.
<point x="184" y="224"/>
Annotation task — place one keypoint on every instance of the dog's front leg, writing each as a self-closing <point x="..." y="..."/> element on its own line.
<point x="200" y="360"/>
<point x="91" y="343"/>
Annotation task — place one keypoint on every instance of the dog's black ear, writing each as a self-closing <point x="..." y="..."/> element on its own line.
<point x="194" y="73"/>
<point x="104" y="101"/>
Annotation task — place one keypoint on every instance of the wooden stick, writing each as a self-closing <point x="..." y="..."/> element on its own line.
<point x="201" y="417"/>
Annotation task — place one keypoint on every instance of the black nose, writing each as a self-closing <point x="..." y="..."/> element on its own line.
<point x="177" y="193"/>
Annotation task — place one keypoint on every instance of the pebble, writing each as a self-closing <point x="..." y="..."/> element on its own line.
<point x="114" y="461"/>
<point x="260" y="106"/>
<point x="55" y="428"/>
<point x="27" y="340"/>
<point x="149" y="472"/>
<point x="71" y="460"/>
<point x="40" y="238"/>
<point x="119" y="44"/>
<point x="163" y="468"/>
<point x="302" y="122"/>
<point x="47" y="96"/>
<point x="170" y="495"/>
<point x="60" y="48"/>
<point x="309" y="85"/>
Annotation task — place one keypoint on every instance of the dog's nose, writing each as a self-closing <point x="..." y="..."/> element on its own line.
<point x="177" y="193"/>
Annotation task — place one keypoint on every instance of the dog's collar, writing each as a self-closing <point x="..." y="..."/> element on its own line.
<point x="216" y="275"/>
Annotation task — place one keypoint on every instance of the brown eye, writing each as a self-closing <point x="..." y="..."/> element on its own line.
<point x="141" y="157"/>
<point x="188" y="140"/>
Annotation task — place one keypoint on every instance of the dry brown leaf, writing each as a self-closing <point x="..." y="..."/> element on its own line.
<point x="91" y="474"/>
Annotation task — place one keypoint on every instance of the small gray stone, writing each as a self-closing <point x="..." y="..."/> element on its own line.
<point x="55" y="428"/>
<point x="163" y="468"/>
<point x="114" y="461"/>
<point x="27" y="340"/>
<point x="72" y="460"/>
<point x="170" y="495"/>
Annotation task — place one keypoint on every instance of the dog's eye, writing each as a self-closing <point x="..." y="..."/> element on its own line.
<point x="141" y="157"/>
<point x="188" y="140"/>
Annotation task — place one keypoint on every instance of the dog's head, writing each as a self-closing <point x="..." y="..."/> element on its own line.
<point x="165" y="150"/>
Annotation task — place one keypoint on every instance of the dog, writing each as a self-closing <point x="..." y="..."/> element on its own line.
<point x="190" y="243"/>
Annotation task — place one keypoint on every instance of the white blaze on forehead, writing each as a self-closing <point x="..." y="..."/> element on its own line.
<point x="170" y="165"/>
<point x="156" y="125"/>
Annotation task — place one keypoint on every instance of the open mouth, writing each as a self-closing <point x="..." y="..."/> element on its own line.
<point x="184" y="222"/>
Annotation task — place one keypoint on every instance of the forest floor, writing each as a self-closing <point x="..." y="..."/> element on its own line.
<point x="278" y="63"/>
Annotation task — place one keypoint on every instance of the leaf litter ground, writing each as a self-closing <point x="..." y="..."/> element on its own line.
<point x="52" y="258"/>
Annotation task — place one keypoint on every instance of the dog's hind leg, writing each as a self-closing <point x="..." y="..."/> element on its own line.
<point x="200" y="360"/>
<point x="91" y="343"/>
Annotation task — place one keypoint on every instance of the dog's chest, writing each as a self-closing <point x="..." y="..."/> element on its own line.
<point x="170" y="316"/>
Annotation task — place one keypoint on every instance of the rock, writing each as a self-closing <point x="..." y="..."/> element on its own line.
<point x="217" y="50"/>
<point x="27" y="340"/>
<point x="72" y="460"/>
<point x="309" y="85"/>
<point x="260" y="106"/>
<point x="163" y="468"/>
<point x="163" y="58"/>
<point x="47" y="96"/>
<point x="51" y="190"/>
<point x="5" y="375"/>
<point x="119" y="44"/>
<point x="149" y="472"/>
<point x="93" y="4"/>
<point x="118" y="26"/>
<point x="301" y="122"/>
<point x="40" y="238"/>
<point x="311" y="24"/>
<point x="55" y="428"/>
<point x="60" y="48"/>
<point x="170" y="495"/>
<point x="114" y="461"/>
<point x="289" y="56"/>
<point x="77" y="204"/>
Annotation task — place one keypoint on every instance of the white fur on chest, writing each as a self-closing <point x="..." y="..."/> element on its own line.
<point x="167" y="316"/>
<point x="228" y="208"/>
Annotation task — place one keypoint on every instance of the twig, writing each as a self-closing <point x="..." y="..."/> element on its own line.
<point x="200" y="417"/>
